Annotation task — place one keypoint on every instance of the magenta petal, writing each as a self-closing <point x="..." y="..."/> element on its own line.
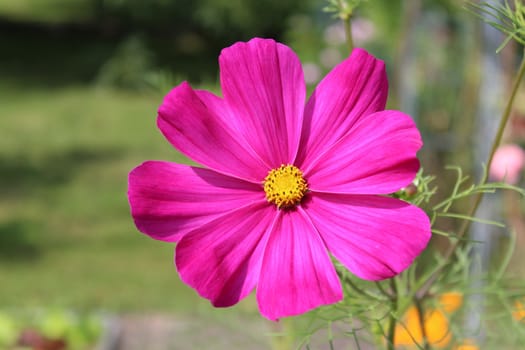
<point x="377" y="156"/>
<point x="168" y="200"/>
<point x="374" y="237"/>
<point x="297" y="274"/>
<point x="356" y="87"/>
<point x="194" y="122"/>
<point x="263" y="83"/>
<point x="222" y="259"/>
<point x="221" y="110"/>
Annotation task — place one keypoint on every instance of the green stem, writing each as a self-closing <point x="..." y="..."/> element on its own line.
<point x="382" y="290"/>
<point x="347" y="21"/>
<point x="392" y="319"/>
<point x="506" y="113"/>
<point x="421" y="314"/>
<point x="477" y="200"/>
<point x="361" y="291"/>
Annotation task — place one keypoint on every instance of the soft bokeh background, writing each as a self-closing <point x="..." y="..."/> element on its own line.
<point x="80" y="82"/>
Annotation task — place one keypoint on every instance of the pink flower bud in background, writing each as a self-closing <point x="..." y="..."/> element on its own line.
<point x="507" y="164"/>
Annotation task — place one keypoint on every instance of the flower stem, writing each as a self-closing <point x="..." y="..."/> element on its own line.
<point x="506" y="113"/>
<point x="392" y="319"/>
<point x="477" y="200"/>
<point x="421" y="314"/>
<point x="347" y="21"/>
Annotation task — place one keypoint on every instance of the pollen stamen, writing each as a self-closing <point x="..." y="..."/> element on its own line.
<point x="285" y="186"/>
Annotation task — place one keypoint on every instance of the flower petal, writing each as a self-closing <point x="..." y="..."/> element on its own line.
<point x="222" y="259"/>
<point x="168" y="200"/>
<point x="263" y="83"/>
<point x="377" y="156"/>
<point x="193" y="123"/>
<point x="221" y="109"/>
<point x="374" y="237"/>
<point x="356" y="87"/>
<point x="297" y="274"/>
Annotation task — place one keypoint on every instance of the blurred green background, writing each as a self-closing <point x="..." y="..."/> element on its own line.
<point x="80" y="83"/>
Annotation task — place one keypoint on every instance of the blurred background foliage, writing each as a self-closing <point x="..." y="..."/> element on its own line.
<point x="80" y="82"/>
<point x="79" y="37"/>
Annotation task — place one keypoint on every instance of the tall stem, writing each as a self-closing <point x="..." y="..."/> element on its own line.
<point x="347" y="21"/>
<point x="477" y="200"/>
<point x="506" y="113"/>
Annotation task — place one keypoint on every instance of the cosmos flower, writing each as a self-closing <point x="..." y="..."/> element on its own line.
<point x="285" y="185"/>
<point x="409" y="333"/>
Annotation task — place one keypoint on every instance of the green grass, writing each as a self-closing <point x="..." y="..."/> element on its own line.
<point x="66" y="236"/>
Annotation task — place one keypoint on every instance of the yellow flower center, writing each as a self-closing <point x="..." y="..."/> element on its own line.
<point x="285" y="186"/>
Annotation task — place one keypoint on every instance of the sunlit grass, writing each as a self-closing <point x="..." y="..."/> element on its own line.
<point x="66" y="236"/>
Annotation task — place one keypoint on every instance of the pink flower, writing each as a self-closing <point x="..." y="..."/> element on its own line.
<point x="507" y="164"/>
<point x="285" y="185"/>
